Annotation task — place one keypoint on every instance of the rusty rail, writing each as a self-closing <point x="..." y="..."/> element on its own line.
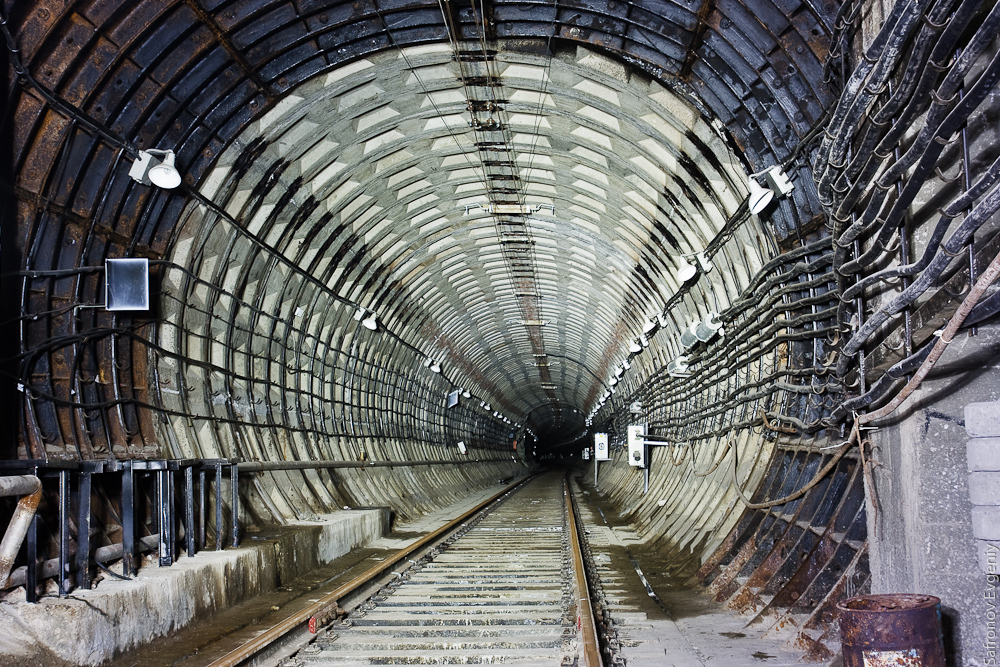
<point x="584" y="611"/>
<point x="315" y="614"/>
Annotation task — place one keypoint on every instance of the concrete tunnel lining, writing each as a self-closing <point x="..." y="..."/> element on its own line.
<point x="329" y="162"/>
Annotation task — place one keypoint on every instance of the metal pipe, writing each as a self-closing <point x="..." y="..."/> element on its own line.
<point x="30" y="488"/>
<point x="106" y="554"/>
<point x="19" y="485"/>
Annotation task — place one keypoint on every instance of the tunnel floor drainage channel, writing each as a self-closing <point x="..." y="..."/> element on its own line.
<point x="499" y="593"/>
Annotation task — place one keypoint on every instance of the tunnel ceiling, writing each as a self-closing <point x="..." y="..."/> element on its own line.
<point x="509" y="187"/>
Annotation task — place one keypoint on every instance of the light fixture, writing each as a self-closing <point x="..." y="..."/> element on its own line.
<point x="778" y="181"/>
<point x="431" y="365"/>
<point x="367" y="319"/>
<point x="685" y="270"/>
<point x="156" y="167"/>
<point x="678" y="367"/>
<point x="466" y="393"/>
<point x="487" y="407"/>
<point x="760" y="196"/>
<point x="778" y="185"/>
<point x="634" y="347"/>
<point x="619" y="371"/>
<point x="648" y="326"/>
<point x="704" y="262"/>
<point x="613" y="381"/>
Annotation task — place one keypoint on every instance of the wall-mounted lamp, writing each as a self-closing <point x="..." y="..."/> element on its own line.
<point x="634" y="347"/>
<point x="613" y="381"/>
<point x="431" y="365"/>
<point x="466" y="393"/>
<point x="367" y="319"/>
<point x="619" y="371"/>
<point x="778" y="186"/>
<point x="686" y="271"/>
<point x="156" y="167"/>
<point x="648" y="326"/>
<point x="678" y="367"/>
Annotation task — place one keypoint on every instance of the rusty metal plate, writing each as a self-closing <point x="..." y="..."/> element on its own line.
<point x="910" y="658"/>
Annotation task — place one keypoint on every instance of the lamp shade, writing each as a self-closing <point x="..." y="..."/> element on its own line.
<point x="165" y="174"/>
<point x="686" y="271"/>
<point x="760" y="196"/>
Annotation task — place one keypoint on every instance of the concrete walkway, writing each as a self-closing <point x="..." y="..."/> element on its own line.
<point x="686" y="628"/>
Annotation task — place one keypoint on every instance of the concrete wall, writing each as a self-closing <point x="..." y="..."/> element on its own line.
<point x="92" y="626"/>
<point x="921" y="536"/>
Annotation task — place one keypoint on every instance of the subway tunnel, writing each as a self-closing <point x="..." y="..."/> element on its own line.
<point x="445" y="243"/>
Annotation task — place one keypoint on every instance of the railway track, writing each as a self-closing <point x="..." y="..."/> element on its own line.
<point x="501" y="584"/>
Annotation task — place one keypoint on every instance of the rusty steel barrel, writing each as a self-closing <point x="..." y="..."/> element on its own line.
<point x="899" y="629"/>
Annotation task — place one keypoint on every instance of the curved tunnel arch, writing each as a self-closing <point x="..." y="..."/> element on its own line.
<point x="330" y="162"/>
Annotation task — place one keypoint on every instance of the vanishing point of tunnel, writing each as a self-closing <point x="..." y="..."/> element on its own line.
<point x="272" y="264"/>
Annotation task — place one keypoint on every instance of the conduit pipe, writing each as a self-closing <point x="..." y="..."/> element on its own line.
<point x="102" y="555"/>
<point x="30" y="488"/>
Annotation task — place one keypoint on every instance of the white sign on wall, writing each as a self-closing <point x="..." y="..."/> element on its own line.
<point x="601" y="450"/>
<point x="637" y="445"/>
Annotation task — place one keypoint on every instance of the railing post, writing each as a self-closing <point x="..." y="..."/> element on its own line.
<point x="202" y="497"/>
<point x="234" y="477"/>
<point x="129" y="568"/>
<point x="63" y="576"/>
<point x="218" y="506"/>
<point x="189" y="509"/>
<point x="31" y="576"/>
<point x="163" y="510"/>
<point x="83" y="530"/>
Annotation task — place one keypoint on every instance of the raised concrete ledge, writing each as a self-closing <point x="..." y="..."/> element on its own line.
<point x="92" y="626"/>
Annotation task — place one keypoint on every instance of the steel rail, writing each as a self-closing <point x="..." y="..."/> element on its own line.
<point x="311" y="616"/>
<point x="584" y="611"/>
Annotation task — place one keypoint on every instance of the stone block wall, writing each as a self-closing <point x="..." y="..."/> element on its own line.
<point x="982" y="424"/>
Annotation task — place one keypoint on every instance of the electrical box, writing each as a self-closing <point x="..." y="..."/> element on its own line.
<point x="127" y="284"/>
<point x="637" y="445"/>
<point x="601" y="450"/>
